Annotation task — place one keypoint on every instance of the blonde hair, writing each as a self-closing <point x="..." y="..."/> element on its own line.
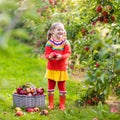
<point x="53" y="26"/>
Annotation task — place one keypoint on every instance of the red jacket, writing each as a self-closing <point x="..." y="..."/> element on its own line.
<point x="64" y="50"/>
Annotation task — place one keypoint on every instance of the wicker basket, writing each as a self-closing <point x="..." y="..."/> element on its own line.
<point x="28" y="101"/>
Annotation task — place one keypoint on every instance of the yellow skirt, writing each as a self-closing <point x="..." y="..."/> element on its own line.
<point x="56" y="75"/>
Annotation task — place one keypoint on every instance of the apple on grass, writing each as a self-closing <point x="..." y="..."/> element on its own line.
<point x="29" y="110"/>
<point x="44" y="112"/>
<point x="19" y="113"/>
<point x="36" y="109"/>
<point x="17" y="109"/>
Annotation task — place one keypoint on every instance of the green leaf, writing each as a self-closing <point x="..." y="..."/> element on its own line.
<point x="102" y="78"/>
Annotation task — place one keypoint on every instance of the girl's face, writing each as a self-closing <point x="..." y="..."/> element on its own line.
<point x="59" y="32"/>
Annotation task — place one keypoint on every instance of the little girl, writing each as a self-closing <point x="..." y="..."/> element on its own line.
<point x="57" y="52"/>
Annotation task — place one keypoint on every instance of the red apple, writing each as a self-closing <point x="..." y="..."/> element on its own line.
<point x="97" y="64"/>
<point x="90" y="102"/>
<point x="19" y="113"/>
<point x="44" y="112"/>
<point x="106" y="20"/>
<point x="22" y="92"/>
<point x="28" y="90"/>
<point x="36" y="109"/>
<point x="71" y="66"/>
<point x="113" y="18"/>
<point x="29" y="110"/>
<point x="18" y="89"/>
<point x="105" y="14"/>
<point x="54" y="54"/>
<point x="94" y="23"/>
<point x="95" y="99"/>
<point x="52" y="2"/>
<point x="86" y="48"/>
<point x="99" y="8"/>
<point x="40" y="91"/>
<point x="84" y="31"/>
<point x="113" y="109"/>
<point x="101" y="18"/>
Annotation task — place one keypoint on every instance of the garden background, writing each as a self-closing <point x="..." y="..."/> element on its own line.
<point x="93" y="29"/>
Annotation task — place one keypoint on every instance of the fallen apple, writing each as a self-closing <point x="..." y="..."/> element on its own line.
<point x="17" y="109"/>
<point x="44" y="112"/>
<point x="19" y="113"/>
<point x="113" y="109"/>
<point x="36" y="109"/>
<point x="29" y="110"/>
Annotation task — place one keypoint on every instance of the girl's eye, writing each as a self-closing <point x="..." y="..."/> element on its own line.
<point x="60" y="29"/>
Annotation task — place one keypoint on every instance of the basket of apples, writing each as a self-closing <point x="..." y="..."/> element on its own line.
<point x="29" y="96"/>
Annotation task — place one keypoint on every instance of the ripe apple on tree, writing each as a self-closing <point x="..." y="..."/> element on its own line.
<point x="83" y="31"/>
<point x="113" y="18"/>
<point x="97" y="64"/>
<point x="105" y="13"/>
<point x="106" y="20"/>
<point x="86" y="48"/>
<point x="99" y="8"/>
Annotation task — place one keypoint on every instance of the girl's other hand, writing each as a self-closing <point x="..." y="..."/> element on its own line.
<point x="59" y="56"/>
<point x="53" y="55"/>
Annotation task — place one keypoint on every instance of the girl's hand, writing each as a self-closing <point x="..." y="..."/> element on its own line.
<point x="53" y="55"/>
<point x="59" y="56"/>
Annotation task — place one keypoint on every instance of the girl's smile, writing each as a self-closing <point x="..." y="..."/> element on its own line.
<point x="58" y="32"/>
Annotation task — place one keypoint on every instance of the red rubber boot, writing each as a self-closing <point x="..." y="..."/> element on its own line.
<point x="51" y="101"/>
<point x="62" y="102"/>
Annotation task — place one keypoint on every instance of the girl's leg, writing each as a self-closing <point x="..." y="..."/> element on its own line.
<point x="51" y="86"/>
<point x="62" y="92"/>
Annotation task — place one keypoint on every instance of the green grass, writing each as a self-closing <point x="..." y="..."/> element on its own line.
<point x="19" y="66"/>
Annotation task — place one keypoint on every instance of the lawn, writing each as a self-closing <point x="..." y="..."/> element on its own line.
<point x="18" y="66"/>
